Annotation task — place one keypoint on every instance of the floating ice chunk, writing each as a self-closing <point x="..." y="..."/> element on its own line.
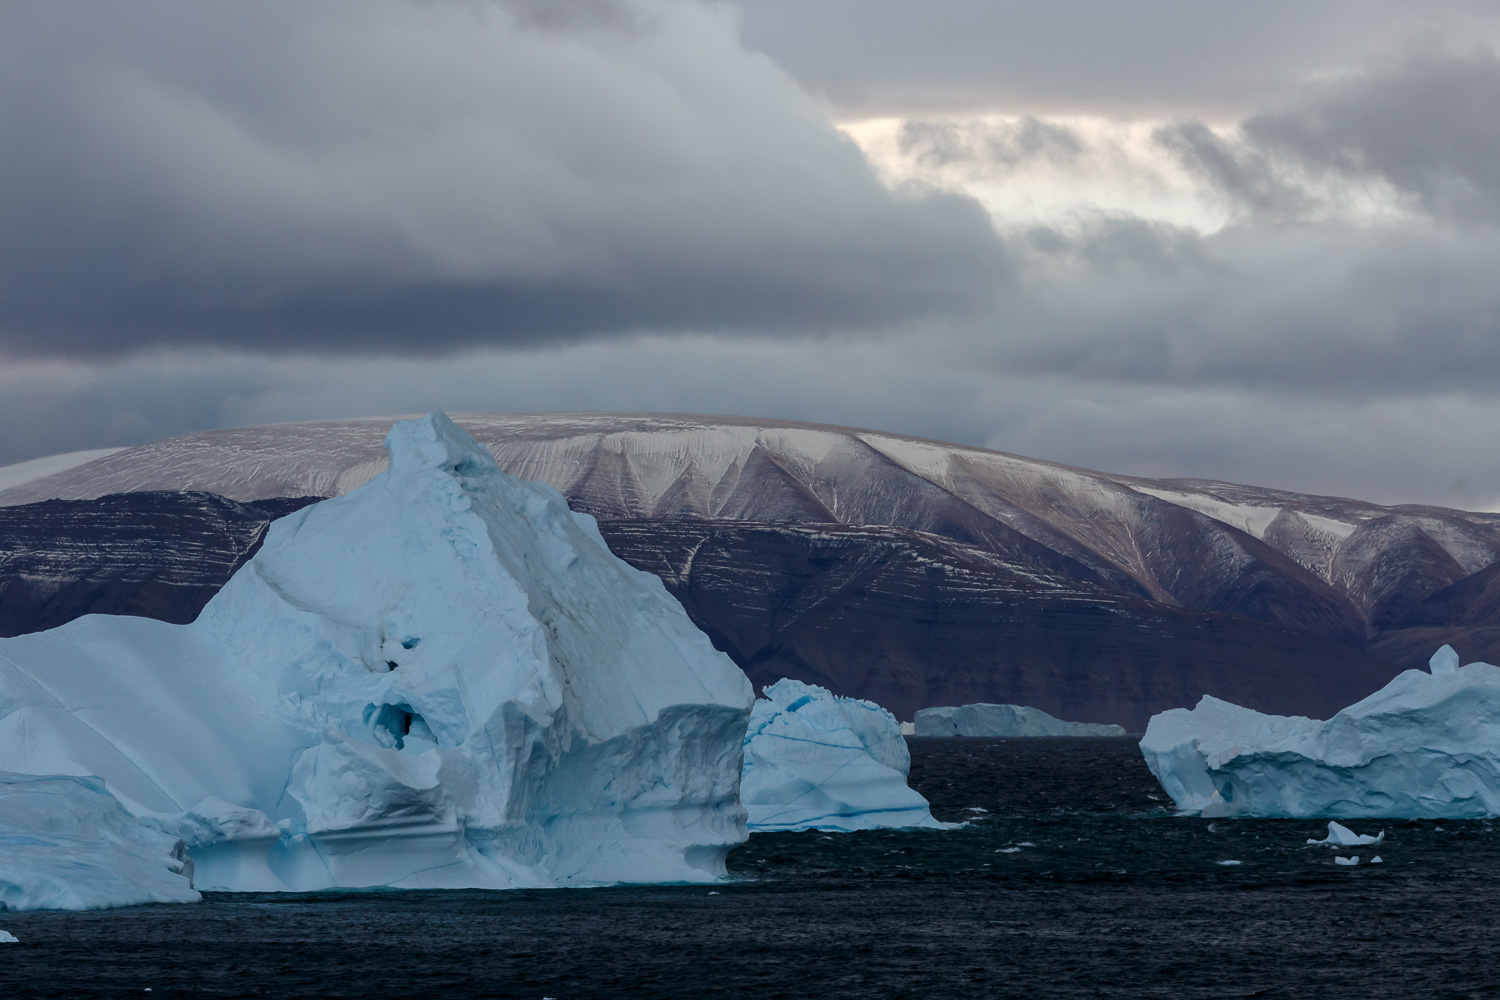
<point x="1352" y="860"/>
<point x="1427" y="745"/>
<point x="1376" y="860"/>
<point x="1231" y="862"/>
<point x="1340" y="835"/>
<point x="1002" y="720"/>
<point x="6" y="937"/>
<point x="908" y="729"/>
<point x="66" y="844"/>
<point x="1444" y="661"/>
<point x="816" y="761"/>
<point x="441" y="679"/>
<point x="1007" y="850"/>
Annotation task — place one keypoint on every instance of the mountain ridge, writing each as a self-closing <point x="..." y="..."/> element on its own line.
<point x="1330" y="569"/>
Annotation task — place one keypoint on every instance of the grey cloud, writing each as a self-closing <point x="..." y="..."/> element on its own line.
<point x="1427" y="124"/>
<point x="571" y="15"/>
<point x="1244" y="174"/>
<point x="880" y="57"/>
<point x="936" y="142"/>
<point x="1322" y="309"/>
<point x="1109" y="244"/>
<point x="389" y="176"/>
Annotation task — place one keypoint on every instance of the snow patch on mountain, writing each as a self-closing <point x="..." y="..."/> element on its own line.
<point x="24" y="473"/>
<point x="1249" y="519"/>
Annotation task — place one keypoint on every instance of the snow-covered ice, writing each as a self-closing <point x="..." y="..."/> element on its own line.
<point x="441" y="679"/>
<point x="817" y="761"/>
<point x="1427" y="745"/>
<point x="6" y="937"/>
<point x="1377" y="860"/>
<point x="65" y="844"/>
<point x="1002" y="720"/>
<point x="1351" y="860"/>
<point x="1230" y="863"/>
<point x="1340" y="835"/>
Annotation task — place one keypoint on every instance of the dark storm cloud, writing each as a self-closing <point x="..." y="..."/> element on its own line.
<point x="380" y="175"/>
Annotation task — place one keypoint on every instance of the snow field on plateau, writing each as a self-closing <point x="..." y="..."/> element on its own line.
<point x="1426" y="746"/>
<point x="441" y="679"/>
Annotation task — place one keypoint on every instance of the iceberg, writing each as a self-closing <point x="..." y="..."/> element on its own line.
<point x="1427" y="745"/>
<point x="1002" y="720"/>
<point x="66" y="844"/>
<point x="1340" y="835"/>
<point x="441" y="679"/>
<point x="817" y="761"/>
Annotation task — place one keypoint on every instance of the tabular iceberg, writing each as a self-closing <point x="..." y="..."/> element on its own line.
<point x="1002" y="720"/>
<point x="441" y="679"/>
<point x="817" y="761"/>
<point x="1427" y="745"/>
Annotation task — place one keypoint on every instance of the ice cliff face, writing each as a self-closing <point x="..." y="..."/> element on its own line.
<point x="815" y="761"/>
<point x="1002" y="720"/>
<point x="1425" y="745"/>
<point x="65" y="844"/>
<point x="443" y="678"/>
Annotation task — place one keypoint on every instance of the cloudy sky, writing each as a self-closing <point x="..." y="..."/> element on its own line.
<point x="1256" y="242"/>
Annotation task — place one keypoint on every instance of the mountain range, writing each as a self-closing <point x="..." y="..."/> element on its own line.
<point x="909" y="571"/>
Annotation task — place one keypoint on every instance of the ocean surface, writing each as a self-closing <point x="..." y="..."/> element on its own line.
<point x="1072" y="878"/>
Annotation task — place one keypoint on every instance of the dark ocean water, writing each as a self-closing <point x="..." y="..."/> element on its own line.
<point x="1114" y="897"/>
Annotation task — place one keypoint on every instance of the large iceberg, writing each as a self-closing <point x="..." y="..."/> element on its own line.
<point x="441" y="679"/>
<point x="1425" y="745"/>
<point x="1002" y="720"/>
<point x="817" y="761"/>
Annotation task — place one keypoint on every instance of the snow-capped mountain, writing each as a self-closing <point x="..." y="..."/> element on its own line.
<point x="910" y="536"/>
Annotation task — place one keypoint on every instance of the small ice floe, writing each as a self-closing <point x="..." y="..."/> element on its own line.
<point x="1341" y="836"/>
<point x="1007" y="850"/>
<point x="1376" y="860"/>
<point x="978" y="810"/>
<point x="713" y="894"/>
<point x="1025" y="843"/>
<point x="1231" y="862"/>
<point x="1351" y="860"/>
<point x="6" y="937"/>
